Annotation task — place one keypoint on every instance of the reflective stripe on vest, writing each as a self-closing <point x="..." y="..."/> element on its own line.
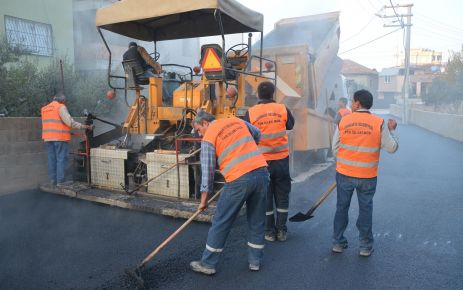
<point x="271" y="120"/>
<point x="358" y="148"/>
<point x="235" y="149"/>
<point x="53" y="128"/>
<point x="274" y="135"/>
<point x="232" y="147"/>
<point x="360" y="144"/>
<point x="264" y="149"/>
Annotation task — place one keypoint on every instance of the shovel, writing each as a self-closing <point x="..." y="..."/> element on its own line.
<point x="300" y="217"/>
<point x="135" y="274"/>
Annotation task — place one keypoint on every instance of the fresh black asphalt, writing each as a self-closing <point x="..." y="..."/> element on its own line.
<point x="55" y="242"/>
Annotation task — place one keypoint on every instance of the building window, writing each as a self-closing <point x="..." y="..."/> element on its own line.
<point x="387" y="79"/>
<point x="33" y="37"/>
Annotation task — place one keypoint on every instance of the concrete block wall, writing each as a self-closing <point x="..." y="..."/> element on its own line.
<point x="447" y="125"/>
<point x="23" y="155"/>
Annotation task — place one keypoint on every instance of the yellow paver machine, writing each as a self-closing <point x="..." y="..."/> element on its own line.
<point x="157" y="133"/>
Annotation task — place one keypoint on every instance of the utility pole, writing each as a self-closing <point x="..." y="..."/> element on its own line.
<point x="408" y="25"/>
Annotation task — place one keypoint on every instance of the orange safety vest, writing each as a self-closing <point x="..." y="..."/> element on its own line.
<point x="271" y="120"/>
<point x="344" y="111"/>
<point x="235" y="149"/>
<point x="53" y="128"/>
<point x="360" y="143"/>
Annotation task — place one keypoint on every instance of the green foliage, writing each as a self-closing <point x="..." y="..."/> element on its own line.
<point x="447" y="90"/>
<point x="25" y="88"/>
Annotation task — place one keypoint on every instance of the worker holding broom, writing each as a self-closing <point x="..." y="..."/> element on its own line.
<point x="356" y="145"/>
<point x="273" y="119"/>
<point x="231" y="143"/>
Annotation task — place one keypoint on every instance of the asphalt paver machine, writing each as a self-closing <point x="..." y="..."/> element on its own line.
<point x="157" y="131"/>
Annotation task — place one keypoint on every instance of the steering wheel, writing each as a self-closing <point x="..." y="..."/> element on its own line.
<point x="244" y="47"/>
<point x="156" y="55"/>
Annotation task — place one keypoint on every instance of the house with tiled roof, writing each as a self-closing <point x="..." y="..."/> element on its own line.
<point x="359" y="77"/>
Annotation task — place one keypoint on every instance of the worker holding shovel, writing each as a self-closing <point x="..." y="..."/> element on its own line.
<point x="356" y="145"/>
<point x="231" y="143"/>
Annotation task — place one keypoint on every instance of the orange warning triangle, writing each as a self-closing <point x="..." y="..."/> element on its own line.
<point x="211" y="61"/>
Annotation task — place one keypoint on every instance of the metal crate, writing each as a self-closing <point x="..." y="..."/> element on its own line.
<point x="167" y="183"/>
<point x="108" y="167"/>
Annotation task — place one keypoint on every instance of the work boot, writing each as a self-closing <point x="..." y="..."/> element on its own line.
<point x="338" y="248"/>
<point x="366" y="252"/>
<point x="199" y="267"/>
<point x="281" y="236"/>
<point x="270" y="237"/>
<point x="254" y="267"/>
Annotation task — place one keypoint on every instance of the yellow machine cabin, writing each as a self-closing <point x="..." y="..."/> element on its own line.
<point x="157" y="130"/>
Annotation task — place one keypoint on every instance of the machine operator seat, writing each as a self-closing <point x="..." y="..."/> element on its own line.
<point x="217" y="75"/>
<point x="134" y="74"/>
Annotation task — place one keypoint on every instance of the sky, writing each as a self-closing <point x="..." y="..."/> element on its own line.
<point x="436" y="25"/>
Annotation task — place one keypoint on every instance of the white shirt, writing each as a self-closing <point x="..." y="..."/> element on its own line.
<point x="389" y="141"/>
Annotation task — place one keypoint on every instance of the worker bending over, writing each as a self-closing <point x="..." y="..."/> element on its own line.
<point x="357" y="142"/>
<point x="56" y="132"/>
<point x="273" y="119"/>
<point x="231" y="143"/>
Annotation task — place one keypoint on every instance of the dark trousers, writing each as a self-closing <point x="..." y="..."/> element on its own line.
<point x="278" y="195"/>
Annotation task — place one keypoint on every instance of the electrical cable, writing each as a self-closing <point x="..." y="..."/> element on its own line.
<point x="397" y="15"/>
<point x="360" y="31"/>
<point x="437" y="34"/>
<point x="434" y="22"/>
<point x="370" y="41"/>
<point x="374" y="7"/>
<point x="435" y="26"/>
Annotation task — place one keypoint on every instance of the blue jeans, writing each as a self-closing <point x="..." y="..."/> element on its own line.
<point x="365" y="188"/>
<point x="57" y="159"/>
<point x="252" y="189"/>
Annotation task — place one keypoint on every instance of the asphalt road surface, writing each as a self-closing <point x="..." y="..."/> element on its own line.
<point x="54" y="242"/>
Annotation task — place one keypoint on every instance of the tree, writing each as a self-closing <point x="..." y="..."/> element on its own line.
<point x="25" y="88"/>
<point x="447" y="90"/>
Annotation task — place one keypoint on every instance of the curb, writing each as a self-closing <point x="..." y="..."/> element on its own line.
<point x="139" y="201"/>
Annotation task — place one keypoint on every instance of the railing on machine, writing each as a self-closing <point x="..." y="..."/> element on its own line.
<point x="177" y="141"/>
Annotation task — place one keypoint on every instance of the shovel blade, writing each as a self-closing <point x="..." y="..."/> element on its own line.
<point x="300" y="217"/>
<point x="135" y="276"/>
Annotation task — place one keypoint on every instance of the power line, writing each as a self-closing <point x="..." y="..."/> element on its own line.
<point x="370" y="41"/>
<point x="374" y="7"/>
<point x="441" y="24"/>
<point x="437" y="34"/>
<point x="360" y="31"/>
<point x="380" y="3"/>
<point x="397" y="15"/>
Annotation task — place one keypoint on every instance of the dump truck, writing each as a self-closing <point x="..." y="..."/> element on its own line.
<point x="308" y="81"/>
<point x="156" y="150"/>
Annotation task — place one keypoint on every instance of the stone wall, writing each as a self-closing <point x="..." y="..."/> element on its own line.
<point x="23" y="155"/>
<point x="447" y="125"/>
